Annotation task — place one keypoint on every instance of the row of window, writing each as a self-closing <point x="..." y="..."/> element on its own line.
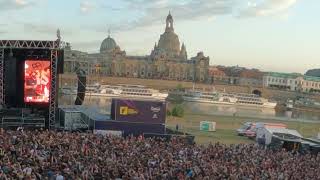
<point x="282" y="80"/>
<point x="136" y="94"/>
<point x="136" y="90"/>
<point x="247" y="102"/>
<point x="313" y="84"/>
<point x="248" y="99"/>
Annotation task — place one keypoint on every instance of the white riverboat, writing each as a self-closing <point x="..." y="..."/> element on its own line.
<point x="240" y="99"/>
<point x="124" y="91"/>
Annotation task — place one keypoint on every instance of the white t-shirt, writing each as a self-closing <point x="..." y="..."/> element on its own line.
<point x="28" y="171"/>
<point x="59" y="177"/>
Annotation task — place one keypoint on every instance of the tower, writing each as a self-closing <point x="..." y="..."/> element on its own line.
<point x="169" y="23"/>
<point x="183" y="52"/>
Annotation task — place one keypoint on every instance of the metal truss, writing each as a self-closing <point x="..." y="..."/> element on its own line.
<point x="54" y="46"/>
<point x="2" y="101"/>
<point x="53" y="90"/>
<point x="29" y="44"/>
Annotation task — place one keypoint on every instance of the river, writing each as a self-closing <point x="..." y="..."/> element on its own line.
<point x="104" y="105"/>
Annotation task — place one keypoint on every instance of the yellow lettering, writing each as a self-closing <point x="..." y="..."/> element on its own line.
<point x="123" y="110"/>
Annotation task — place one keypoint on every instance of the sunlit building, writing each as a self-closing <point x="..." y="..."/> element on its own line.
<point x="292" y="82"/>
<point x="168" y="60"/>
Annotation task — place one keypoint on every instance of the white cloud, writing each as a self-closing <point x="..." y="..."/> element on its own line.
<point x="21" y="2"/>
<point x="15" y="4"/>
<point x="266" y="8"/>
<point x="86" y="6"/>
<point x="154" y="12"/>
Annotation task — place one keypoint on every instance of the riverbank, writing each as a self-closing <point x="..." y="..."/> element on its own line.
<point x="279" y="95"/>
<point x="227" y="125"/>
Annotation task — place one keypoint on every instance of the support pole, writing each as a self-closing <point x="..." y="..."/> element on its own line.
<point x="2" y="100"/>
<point x="53" y="90"/>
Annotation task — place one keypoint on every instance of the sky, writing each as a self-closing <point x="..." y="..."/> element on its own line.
<point x="271" y="35"/>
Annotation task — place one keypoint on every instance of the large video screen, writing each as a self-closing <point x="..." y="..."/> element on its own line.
<point x="36" y="81"/>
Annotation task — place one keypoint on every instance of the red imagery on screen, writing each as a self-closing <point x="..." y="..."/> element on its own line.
<point x="36" y="81"/>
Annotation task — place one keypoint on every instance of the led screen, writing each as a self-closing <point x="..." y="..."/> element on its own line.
<point x="36" y="81"/>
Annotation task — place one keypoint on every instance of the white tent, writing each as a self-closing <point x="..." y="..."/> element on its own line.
<point x="268" y="132"/>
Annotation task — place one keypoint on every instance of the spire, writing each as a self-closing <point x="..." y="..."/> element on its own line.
<point x="169" y="23"/>
<point x="183" y="52"/>
<point x="183" y="47"/>
<point x="58" y="34"/>
<point x="155" y="45"/>
<point x="169" y="16"/>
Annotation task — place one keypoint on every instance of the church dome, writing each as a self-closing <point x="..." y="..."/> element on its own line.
<point x="108" y="44"/>
<point x="169" y="42"/>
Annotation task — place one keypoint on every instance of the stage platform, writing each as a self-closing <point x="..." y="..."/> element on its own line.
<point x="72" y="117"/>
<point x="75" y="117"/>
<point x="15" y="117"/>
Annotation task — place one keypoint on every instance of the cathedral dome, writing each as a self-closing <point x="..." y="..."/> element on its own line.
<point x="169" y="42"/>
<point x="108" y="44"/>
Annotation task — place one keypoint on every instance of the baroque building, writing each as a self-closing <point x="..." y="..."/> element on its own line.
<point x="167" y="60"/>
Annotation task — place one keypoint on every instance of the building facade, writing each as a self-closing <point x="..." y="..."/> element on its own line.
<point x="218" y="76"/>
<point x="167" y="60"/>
<point x="251" y="77"/>
<point x="292" y="82"/>
<point x="236" y="76"/>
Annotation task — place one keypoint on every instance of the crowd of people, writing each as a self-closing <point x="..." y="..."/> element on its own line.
<point x="64" y="155"/>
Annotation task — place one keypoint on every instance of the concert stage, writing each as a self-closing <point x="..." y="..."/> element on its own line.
<point x="29" y="82"/>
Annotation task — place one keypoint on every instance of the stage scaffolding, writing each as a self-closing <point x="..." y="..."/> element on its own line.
<point x="1" y="77"/>
<point x="54" y="47"/>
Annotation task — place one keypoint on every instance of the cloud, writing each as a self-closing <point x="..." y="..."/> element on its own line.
<point x="6" y="5"/>
<point x="266" y="8"/>
<point x="154" y="12"/>
<point x="21" y="2"/>
<point x="90" y="46"/>
<point x="47" y="29"/>
<point x="86" y="6"/>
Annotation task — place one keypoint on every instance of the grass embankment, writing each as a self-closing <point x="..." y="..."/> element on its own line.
<point x="226" y="126"/>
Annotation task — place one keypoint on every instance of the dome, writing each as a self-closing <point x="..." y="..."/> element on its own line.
<point x="108" y="44"/>
<point x="170" y="43"/>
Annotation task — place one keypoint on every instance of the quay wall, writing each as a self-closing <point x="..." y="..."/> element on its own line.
<point x="279" y="95"/>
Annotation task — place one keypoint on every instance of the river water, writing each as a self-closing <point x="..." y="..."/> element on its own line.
<point x="104" y="105"/>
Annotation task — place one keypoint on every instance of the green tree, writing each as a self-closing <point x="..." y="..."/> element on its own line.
<point x="169" y="113"/>
<point x="176" y="99"/>
<point x="180" y="87"/>
<point x="177" y="111"/>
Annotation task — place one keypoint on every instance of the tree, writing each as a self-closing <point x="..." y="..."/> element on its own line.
<point x="177" y="111"/>
<point x="169" y="113"/>
<point x="180" y="87"/>
<point x="176" y="99"/>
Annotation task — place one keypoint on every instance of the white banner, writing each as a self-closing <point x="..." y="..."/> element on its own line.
<point x="108" y="132"/>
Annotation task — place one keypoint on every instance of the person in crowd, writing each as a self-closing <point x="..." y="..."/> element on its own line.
<point x="54" y="155"/>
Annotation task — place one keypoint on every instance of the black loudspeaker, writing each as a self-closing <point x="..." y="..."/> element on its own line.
<point x="81" y="91"/>
<point x="10" y="81"/>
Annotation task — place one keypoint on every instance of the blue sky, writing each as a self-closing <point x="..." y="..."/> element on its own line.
<point x="272" y="35"/>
